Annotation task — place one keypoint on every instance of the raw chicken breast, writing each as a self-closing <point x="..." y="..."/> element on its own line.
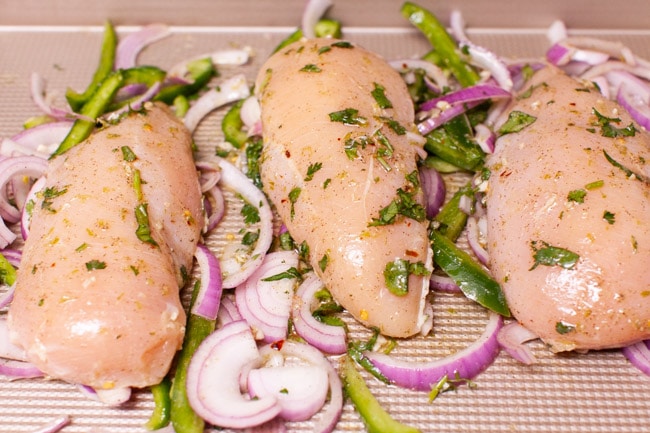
<point x="95" y="304"/>
<point x="332" y="160"/>
<point x="561" y="188"/>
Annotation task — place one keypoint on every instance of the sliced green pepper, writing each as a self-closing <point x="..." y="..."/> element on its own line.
<point x="451" y="218"/>
<point x="324" y="28"/>
<point x="444" y="46"/>
<point x="377" y="420"/>
<point x="92" y="109"/>
<point x="7" y="271"/>
<point x="147" y="75"/>
<point x="182" y="416"/>
<point x="232" y="125"/>
<point x="453" y="142"/>
<point x="201" y="72"/>
<point x="162" y="403"/>
<point x="472" y="279"/>
<point x="440" y="165"/>
<point x="106" y="61"/>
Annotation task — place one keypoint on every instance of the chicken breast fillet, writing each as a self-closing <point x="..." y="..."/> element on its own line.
<point x="96" y="303"/>
<point x="568" y="217"/>
<point x="338" y="161"/>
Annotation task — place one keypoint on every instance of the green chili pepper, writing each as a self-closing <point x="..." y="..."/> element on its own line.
<point x="453" y="142"/>
<point x="201" y="72"/>
<point x="377" y="420"/>
<point x="231" y="125"/>
<point x="162" y="404"/>
<point x="444" y="46"/>
<point x="451" y="218"/>
<point x="92" y="109"/>
<point x="182" y="416"/>
<point x="147" y="75"/>
<point x="440" y="165"/>
<point x="323" y="28"/>
<point x="181" y="105"/>
<point x="105" y="67"/>
<point x="7" y="271"/>
<point x="472" y="279"/>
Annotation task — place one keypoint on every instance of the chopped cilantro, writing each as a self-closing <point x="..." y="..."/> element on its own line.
<point x="288" y="274"/>
<point x="609" y="217"/>
<point x="549" y="255"/>
<point x="627" y="171"/>
<point x="250" y="213"/>
<point x="577" y="195"/>
<point x="379" y="93"/>
<point x="127" y="154"/>
<point x="396" y="275"/>
<point x="49" y="194"/>
<point x="564" y="328"/>
<point x="323" y="262"/>
<point x="348" y="116"/>
<point x="608" y="130"/>
<point x="342" y="44"/>
<point x="95" y="264"/>
<point x="293" y="198"/>
<point x="312" y="169"/>
<point x="143" y="232"/>
<point x="517" y="120"/>
<point x="250" y="238"/>
<point x="310" y="68"/>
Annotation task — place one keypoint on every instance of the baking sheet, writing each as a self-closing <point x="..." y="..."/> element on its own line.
<point x="596" y="392"/>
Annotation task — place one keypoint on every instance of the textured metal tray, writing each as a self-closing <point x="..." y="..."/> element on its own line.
<point x="594" y="392"/>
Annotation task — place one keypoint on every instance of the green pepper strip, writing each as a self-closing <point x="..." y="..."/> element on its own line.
<point x="441" y="41"/>
<point x="147" y="75"/>
<point x="7" y="271"/>
<point x="183" y="417"/>
<point x="453" y="142"/>
<point x="324" y="28"/>
<point x="451" y="218"/>
<point x="106" y="61"/>
<point x="472" y="279"/>
<point x="95" y="107"/>
<point x="162" y="404"/>
<point x="377" y="420"/>
<point x="201" y="72"/>
<point x="231" y="125"/>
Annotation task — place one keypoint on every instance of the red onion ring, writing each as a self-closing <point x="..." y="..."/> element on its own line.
<point x="473" y="240"/>
<point x="230" y="90"/>
<point x="639" y="356"/>
<point x="24" y="166"/>
<point x="213" y="388"/>
<point x="215" y="208"/>
<point x="328" y="338"/>
<point x="443" y="283"/>
<point x="465" y="364"/>
<point x="19" y="369"/>
<point x="432" y="71"/>
<point x="301" y="390"/>
<point x="207" y="300"/>
<point x="266" y="305"/>
<point x="130" y="46"/>
<point x="235" y="272"/>
<point x="329" y="417"/>
<point x="512" y="337"/>
<point x="8" y="350"/>
<point x="634" y="102"/>
<point x="12" y="256"/>
<point x="210" y="174"/>
<point x="40" y="140"/>
<point x="55" y="426"/>
<point x="37" y="89"/>
<point x="228" y="312"/>
<point x="434" y="121"/>
<point x="480" y="92"/>
<point x="113" y="397"/>
<point x="434" y="188"/>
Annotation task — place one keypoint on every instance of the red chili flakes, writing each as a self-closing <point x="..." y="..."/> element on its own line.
<point x="412" y="253"/>
<point x="287" y="154"/>
<point x="277" y="345"/>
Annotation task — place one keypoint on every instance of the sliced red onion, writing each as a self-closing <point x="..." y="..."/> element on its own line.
<point x="465" y="364"/>
<point x="213" y="388"/>
<point x="5" y="300"/>
<point x="24" y="166"/>
<point x="25" y="216"/>
<point x="639" y="356"/>
<point x="138" y="102"/>
<point x="437" y="119"/>
<point x="432" y="71"/>
<point x="228" y="311"/>
<point x="329" y="417"/>
<point x="230" y="90"/>
<point x="229" y="57"/>
<point x="512" y="337"/>
<point x="612" y="49"/>
<point x="7" y="237"/>
<point x="266" y="305"/>
<point x="443" y="283"/>
<point x="486" y="59"/>
<point x="210" y="174"/>
<point x="485" y="137"/>
<point x="427" y="324"/>
<point x="314" y="11"/>
<point x="13" y="256"/>
<point x="113" y="397"/>
<point x="217" y="208"/>
<point x="233" y="270"/>
<point x="54" y="426"/>
<point x="301" y="390"/>
<point x="635" y="102"/>
<point x="559" y="54"/>
<point x="480" y="92"/>
<point x="457" y="25"/>
<point x="557" y="31"/>
<point x="19" y="369"/>
<point x="40" y="140"/>
<point x="474" y="241"/>
<point x="327" y="338"/>
<point x="251" y="115"/>
<point x="37" y="88"/>
<point x="206" y="304"/>
<point x="434" y="188"/>
<point x="130" y="46"/>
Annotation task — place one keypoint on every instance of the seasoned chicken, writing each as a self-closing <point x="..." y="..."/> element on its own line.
<point x="339" y="164"/>
<point x="568" y="217"/>
<point x="116" y="226"/>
